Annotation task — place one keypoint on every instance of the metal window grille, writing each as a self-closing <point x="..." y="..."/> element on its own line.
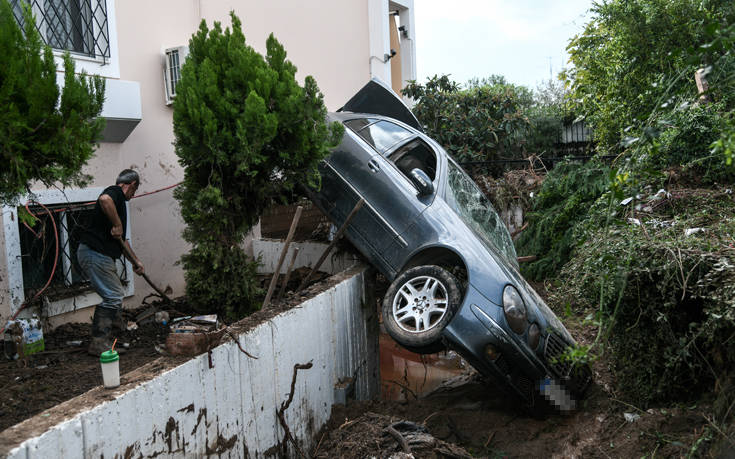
<point x="38" y="248"/>
<point x="174" y="69"/>
<point x="78" y="26"/>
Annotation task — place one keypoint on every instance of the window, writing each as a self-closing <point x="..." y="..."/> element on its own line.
<point x="78" y="26"/>
<point x="31" y="252"/>
<point x="382" y="135"/>
<point x="415" y="155"/>
<point x="38" y="249"/>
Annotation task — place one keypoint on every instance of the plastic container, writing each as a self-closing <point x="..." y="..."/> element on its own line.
<point x="110" y="363"/>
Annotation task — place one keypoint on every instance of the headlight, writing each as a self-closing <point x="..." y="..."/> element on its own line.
<point x="534" y="336"/>
<point x="515" y="310"/>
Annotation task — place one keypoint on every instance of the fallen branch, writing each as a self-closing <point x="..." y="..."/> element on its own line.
<point x="234" y="338"/>
<point x="340" y="231"/>
<point x="399" y="438"/>
<point x="316" y="450"/>
<point x="285" y="405"/>
<point x="288" y="273"/>
<point x="527" y="259"/>
<point x="274" y="279"/>
<point x="719" y="430"/>
<point x="518" y="231"/>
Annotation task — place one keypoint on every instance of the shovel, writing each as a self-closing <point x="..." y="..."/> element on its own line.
<point x="145" y="276"/>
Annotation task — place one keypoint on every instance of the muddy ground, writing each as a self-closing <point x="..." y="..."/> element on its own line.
<point x="468" y="416"/>
<point x="477" y="420"/>
<point x="64" y="369"/>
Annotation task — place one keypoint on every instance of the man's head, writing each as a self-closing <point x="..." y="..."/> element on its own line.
<point x="128" y="180"/>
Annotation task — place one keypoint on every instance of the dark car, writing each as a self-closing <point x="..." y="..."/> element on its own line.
<point x="427" y="227"/>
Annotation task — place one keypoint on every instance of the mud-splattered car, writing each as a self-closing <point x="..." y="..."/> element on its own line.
<point x="429" y="230"/>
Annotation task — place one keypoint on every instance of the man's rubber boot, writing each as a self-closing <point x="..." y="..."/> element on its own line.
<point x="102" y="324"/>
<point x="119" y="324"/>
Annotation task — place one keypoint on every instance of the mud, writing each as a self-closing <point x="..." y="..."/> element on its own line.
<point x="472" y="415"/>
<point x="64" y="371"/>
<point x="467" y="414"/>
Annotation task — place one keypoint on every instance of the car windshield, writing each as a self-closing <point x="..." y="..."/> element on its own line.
<point x="477" y="212"/>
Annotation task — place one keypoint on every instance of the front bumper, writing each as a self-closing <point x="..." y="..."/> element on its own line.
<point x="479" y="322"/>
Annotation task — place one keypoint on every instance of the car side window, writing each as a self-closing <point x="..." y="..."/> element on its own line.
<point x="382" y="135"/>
<point x="415" y="155"/>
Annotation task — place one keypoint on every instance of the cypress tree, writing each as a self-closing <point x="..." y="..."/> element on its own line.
<point x="46" y="134"/>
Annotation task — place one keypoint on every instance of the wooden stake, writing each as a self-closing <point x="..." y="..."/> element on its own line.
<point x="288" y="273"/>
<point x="274" y="279"/>
<point x="331" y="245"/>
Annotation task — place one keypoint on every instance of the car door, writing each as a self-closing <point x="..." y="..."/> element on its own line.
<point x="396" y="199"/>
<point x="350" y="173"/>
<point x="392" y="196"/>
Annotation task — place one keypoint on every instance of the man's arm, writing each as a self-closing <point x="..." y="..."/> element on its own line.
<point x="108" y="207"/>
<point x="130" y="255"/>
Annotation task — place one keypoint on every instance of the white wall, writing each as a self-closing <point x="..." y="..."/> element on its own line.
<point x="193" y="410"/>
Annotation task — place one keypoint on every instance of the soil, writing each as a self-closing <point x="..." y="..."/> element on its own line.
<point x="477" y="420"/>
<point x="468" y="416"/>
<point x="64" y="370"/>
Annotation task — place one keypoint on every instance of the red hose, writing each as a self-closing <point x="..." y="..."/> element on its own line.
<point x="53" y="269"/>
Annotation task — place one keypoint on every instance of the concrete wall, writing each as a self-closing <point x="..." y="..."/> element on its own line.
<point x="193" y="410"/>
<point x="269" y="250"/>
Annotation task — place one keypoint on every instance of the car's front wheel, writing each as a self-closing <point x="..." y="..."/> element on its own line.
<point x="418" y="305"/>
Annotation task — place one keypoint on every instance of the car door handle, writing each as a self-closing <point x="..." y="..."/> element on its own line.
<point x="373" y="165"/>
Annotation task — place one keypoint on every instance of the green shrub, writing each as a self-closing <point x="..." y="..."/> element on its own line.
<point x="684" y="141"/>
<point x="636" y="59"/>
<point x="562" y="203"/>
<point x="246" y="133"/>
<point x="665" y="301"/>
<point x="483" y="122"/>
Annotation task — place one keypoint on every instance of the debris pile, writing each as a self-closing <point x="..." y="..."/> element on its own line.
<point x="382" y="436"/>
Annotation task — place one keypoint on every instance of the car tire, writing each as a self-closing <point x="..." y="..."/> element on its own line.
<point x="418" y="305"/>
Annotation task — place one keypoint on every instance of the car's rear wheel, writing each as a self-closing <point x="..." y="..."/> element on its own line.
<point x="418" y="305"/>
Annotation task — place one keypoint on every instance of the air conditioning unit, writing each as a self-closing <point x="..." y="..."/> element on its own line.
<point x="173" y="60"/>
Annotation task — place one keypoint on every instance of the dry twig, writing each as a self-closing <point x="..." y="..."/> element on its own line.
<point x="238" y="344"/>
<point x="285" y="405"/>
<point x="399" y="438"/>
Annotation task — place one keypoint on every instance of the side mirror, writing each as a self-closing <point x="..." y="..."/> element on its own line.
<point x="422" y="182"/>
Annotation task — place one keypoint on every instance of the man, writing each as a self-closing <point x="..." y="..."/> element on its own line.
<point x="100" y="244"/>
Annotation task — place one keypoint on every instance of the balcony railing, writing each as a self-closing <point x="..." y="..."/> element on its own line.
<point x="78" y="26"/>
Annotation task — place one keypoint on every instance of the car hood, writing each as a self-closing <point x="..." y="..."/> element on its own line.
<point x="512" y="275"/>
<point x="378" y="98"/>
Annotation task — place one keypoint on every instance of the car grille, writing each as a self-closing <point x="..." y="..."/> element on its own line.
<point x="524" y="385"/>
<point x="555" y="347"/>
<point x="576" y="378"/>
<point x="502" y="365"/>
